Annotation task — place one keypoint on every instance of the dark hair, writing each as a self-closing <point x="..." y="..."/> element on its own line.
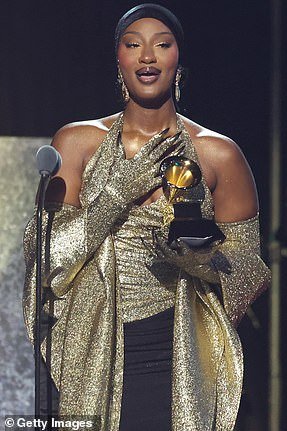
<point x="150" y="10"/>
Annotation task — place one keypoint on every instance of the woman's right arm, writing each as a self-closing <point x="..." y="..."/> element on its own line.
<point x="76" y="144"/>
<point x="64" y="221"/>
<point x="71" y="234"/>
<point x="62" y="218"/>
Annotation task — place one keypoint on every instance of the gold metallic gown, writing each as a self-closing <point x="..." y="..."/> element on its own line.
<point x="146" y="289"/>
<point x="89" y="307"/>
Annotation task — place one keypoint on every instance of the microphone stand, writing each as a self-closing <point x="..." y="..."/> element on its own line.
<point x="44" y="181"/>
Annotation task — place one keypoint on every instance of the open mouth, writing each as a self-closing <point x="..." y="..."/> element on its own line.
<point x="148" y="75"/>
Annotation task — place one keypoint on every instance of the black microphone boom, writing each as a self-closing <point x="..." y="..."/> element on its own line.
<point x="48" y="160"/>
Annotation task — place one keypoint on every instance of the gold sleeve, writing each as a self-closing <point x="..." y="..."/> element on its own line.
<point x="70" y="236"/>
<point x="243" y="274"/>
<point x="63" y="254"/>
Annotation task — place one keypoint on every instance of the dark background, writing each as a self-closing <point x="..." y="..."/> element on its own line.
<point x="58" y="66"/>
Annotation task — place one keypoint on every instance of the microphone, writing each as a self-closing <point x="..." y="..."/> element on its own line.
<point x="48" y="160"/>
<point x="48" y="163"/>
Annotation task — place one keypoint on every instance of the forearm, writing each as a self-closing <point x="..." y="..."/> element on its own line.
<point x="248" y="275"/>
<point x="70" y="236"/>
<point x="235" y="265"/>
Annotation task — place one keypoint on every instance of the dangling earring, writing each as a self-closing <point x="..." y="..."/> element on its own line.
<point x="125" y="91"/>
<point x="177" y="80"/>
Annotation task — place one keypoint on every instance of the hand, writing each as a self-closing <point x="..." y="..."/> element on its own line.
<point x="198" y="263"/>
<point x="135" y="177"/>
<point x="178" y="252"/>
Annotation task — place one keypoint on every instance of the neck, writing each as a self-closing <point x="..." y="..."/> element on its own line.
<point x="149" y="121"/>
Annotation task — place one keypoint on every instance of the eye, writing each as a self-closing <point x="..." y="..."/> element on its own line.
<point x="132" y="45"/>
<point x="164" y="44"/>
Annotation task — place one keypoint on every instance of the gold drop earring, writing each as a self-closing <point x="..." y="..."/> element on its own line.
<point x="125" y="91"/>
<point x="177" y="80"/>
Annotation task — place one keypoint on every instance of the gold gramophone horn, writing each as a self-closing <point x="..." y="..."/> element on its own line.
<point x="178" y="173"/>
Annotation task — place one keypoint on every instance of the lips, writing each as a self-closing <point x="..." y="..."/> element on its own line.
<point x="148" y="74"/>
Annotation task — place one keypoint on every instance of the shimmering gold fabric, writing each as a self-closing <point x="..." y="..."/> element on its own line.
<point x="87" y="343"/>
<point x="145" y="289"/>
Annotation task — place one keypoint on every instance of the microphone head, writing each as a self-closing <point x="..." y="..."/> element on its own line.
<point x="49" y="160"/>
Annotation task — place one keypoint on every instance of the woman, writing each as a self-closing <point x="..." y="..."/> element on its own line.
<point x="145" y="335"/>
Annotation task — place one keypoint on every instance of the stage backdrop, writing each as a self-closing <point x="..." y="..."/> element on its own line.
<point x="19" y="178"/>
<point x="58" y="66"/>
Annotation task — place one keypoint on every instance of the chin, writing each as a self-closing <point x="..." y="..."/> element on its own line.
<point x="151" y="100"/>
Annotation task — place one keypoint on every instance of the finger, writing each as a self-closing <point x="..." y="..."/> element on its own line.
<point x="165" y="142"/>
<point x="153" y="142"/>
<point x="176" y="150"/>
<point x="164" y="248"/>
<point x="179" y="151"/>
<point x="181" y="251"/>
<point x="174" y="245"/>
<point x="162" y="244"/>
<point x="183" y="246"/>
<point x="164" y="151"/>
<point x="148" y="150"/>
<point x="159" y="238"/>
<point x="157" y="250"/>
<point x="177" y="248"/>
<point x="160" y="256"/>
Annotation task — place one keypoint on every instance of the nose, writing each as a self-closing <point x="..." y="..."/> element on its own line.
<point x="147" y="55"/>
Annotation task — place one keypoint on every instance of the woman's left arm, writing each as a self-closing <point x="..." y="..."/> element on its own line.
<point x="235" y="265"/>
<point x="235" y="195"/>
<point x="236" y="213"/>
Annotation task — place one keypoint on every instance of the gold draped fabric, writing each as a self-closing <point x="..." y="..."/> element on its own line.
<point x="146" y="288"/>
<point x="86" y="343"/>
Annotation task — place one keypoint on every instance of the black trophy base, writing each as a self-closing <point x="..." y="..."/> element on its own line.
<point x="195" y="233"/>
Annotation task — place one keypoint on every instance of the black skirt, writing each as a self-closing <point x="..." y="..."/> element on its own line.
<point x="146" y="400"/>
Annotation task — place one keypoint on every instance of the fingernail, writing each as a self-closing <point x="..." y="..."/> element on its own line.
<point x="119" y="139"/>
<point x="180" y="148"/>
<point x="164" y="132"/>
<point x="176" y="136"/>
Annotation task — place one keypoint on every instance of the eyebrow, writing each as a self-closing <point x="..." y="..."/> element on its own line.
<point x="138" y="33"/>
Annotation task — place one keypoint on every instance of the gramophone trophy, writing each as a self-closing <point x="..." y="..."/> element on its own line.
<point x="179" y="175"/>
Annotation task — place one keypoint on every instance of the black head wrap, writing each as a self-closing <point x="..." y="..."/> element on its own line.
<point x="150" y="10"/>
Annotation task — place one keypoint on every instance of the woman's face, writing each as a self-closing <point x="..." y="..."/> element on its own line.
<point x="148" y="58"/>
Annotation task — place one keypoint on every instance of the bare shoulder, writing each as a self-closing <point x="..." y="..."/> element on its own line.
<point x="82" y="138"/>
<point x="212" y="145"/>
<point x="76" y="142"/>
<point x="227" y="172"/>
